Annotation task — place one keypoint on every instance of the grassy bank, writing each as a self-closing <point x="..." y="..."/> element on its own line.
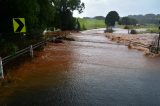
<point x="91" y="24"/>
<point x="150" y="28"/>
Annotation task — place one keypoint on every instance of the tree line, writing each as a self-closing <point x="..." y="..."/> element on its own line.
<point x="146" y="19"/>
<point x="141" y="19"/>
<point x="96" y="17"/>
<point x="113" y="17"/>
<point x="130" y="21"/>
<point x="38" y="14"/>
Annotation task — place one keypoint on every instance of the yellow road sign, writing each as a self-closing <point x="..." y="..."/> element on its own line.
<point x="19" y="25"/>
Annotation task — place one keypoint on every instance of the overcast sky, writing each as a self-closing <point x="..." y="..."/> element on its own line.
<point x="123" y="7"/>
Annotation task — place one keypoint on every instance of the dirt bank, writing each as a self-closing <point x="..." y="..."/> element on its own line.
<point x="140" y="42"/>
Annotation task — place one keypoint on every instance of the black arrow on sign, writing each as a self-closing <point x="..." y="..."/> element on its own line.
<point x="21" y="25"/>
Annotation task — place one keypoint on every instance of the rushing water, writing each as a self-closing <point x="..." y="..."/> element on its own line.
<point x="90" y="71"/>
<point x="125" y="31"/>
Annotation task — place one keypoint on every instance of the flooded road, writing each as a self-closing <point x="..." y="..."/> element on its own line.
<point x="91" y="71"/>
<point x="125" y="31"/>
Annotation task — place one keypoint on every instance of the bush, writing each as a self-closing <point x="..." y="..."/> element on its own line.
<point x="152" y="30"/>
<point x="126" y="27"/>
<point x="83" y="27"/>
<point x="108" y="31"/>
<point x="8" y="48"/>
<point x="133" y="31"/>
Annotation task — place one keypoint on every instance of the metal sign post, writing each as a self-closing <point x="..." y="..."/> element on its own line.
<point x="1" y="69"/>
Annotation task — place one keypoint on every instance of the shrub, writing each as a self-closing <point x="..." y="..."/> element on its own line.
<point x="108" y="31"/>
<point x="126" y="27"/>
<point x="83" y="27"/>
<point x="152" y="30"/>
<point x="133" y="31"/>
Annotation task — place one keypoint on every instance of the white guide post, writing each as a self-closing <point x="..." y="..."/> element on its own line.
<point x="1" y="69"/>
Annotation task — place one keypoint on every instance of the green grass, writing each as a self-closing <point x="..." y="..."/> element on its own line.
<point x="91" y="24"/>
<point x="150" y="28"/>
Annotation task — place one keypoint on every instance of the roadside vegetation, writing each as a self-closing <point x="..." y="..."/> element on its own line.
<point x="91" y="23"/>
<point x="39" y="15"/>
<point x="133" y="23"/>
<point x="110" y="21"/>
<point x="148" y="28"/>
<point x="144" y="42"/>
<point x="57" y="14"/>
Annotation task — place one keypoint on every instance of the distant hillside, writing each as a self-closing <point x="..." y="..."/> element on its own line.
<point x="99" y="17"/>
<point x="96" y="17"/>
<point x="142" y="19"/>
<point x="146" y="19"/>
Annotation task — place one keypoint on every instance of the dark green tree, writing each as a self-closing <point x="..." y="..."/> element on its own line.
<point x="128" y="21"/>
<point x="46" y="14"/>
<point x="16" y="9"/>
<point x="111" y="18"/>
<point x="77" y="26"/>
<point x="146" y="19"/>
<point x="38" y="15"/>
<point x="64" y="13"/>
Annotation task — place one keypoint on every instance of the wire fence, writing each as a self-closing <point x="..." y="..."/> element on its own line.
<point x="51" y="37"/>
<point x="26" y="50"/>
<point x="155" y="47"/>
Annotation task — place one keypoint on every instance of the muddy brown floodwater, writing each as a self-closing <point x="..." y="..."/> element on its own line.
<point x="91" y="71"/>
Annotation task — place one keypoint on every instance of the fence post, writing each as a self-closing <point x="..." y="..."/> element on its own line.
<point x="31" y="51"/>
<point x="158" y="38"/>
<point x="45" y="42"/>
<point x="1" y="68"/>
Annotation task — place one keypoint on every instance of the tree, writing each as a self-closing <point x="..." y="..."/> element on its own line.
<point x="46" y="14"/>
<point x="146" y="19"/>
<point x="128" y="21"/>
<point x="125" y="21"/>
<point x="111" y="18"/>
<point x="38" y="15"/>
<point x="64" y="13"/>
<point x="77" y="26"/>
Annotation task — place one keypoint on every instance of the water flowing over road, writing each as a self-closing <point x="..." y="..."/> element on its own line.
<point x="91" y="71"/>
<point x="125" y="31"/>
